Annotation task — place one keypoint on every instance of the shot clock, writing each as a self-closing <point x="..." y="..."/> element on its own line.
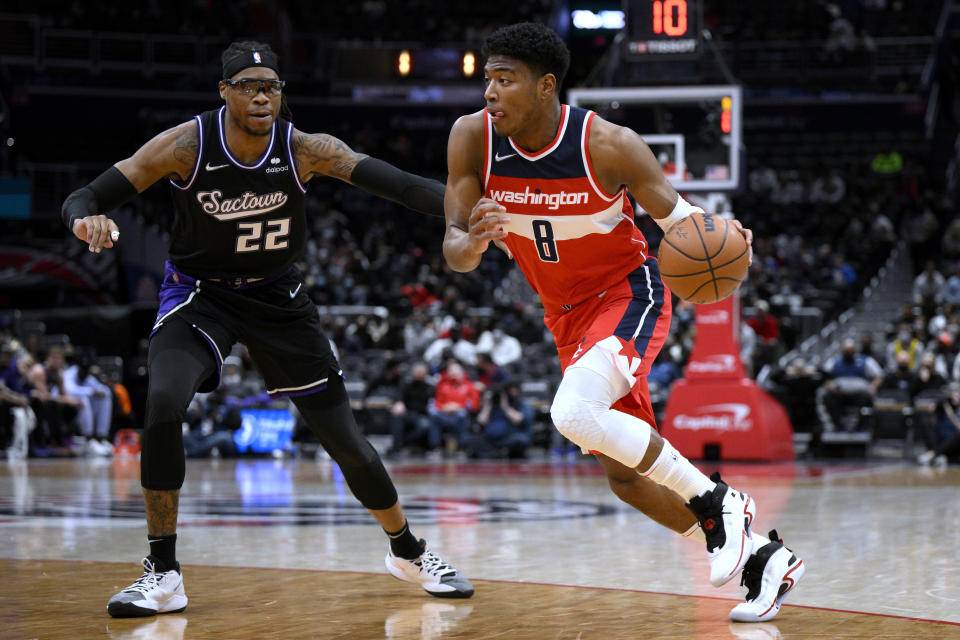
<point x="660" y="28"/>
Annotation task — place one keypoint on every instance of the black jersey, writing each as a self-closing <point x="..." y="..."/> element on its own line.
<point x="237" y="220"/>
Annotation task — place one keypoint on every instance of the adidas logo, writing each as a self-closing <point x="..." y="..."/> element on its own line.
<point x="274" y="160"/>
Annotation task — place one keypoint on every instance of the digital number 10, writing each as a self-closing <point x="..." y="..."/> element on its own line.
<point x="668" y="22"/>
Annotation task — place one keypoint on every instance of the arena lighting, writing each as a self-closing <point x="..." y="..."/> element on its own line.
<point x="469" y="63"/>
<point x="586" y="19"/>
<point x="403" y="63"/>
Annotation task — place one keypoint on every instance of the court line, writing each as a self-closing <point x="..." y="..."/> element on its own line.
<point x="517" y="582"/>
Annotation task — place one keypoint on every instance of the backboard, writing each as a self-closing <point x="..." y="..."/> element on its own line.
<point x="694" y="131"/>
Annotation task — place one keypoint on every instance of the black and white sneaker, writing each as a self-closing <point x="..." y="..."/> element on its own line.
<point x="152" y="593"/>
<point x="433" y="574"/>
<point x="769" y="575"/>
<point x="725" y="515"/>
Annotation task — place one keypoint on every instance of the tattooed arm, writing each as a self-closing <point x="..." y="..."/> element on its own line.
<point x="170" y="154"/>
<point x="322" y="154"/>
<point x="319" y="154"/>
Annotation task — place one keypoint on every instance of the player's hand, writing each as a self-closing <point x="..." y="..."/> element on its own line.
<point x="503" y="247"/>
<point x="98" y="231"/>
<point x="748" y="236"/>
<point x="486" y="224"/>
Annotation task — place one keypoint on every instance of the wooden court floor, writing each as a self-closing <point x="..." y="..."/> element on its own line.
<point x="279" y="549"/>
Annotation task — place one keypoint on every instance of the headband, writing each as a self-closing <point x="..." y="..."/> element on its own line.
<point x="247" y="59"/>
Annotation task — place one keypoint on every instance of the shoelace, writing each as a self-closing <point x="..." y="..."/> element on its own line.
<point x="147" y="581"/>
<point x="431" y="563"/>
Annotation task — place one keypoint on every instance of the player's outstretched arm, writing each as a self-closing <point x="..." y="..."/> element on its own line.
<point x="324" y="155"/>
<point x="172" y="154"/>
<point x="472" y="220"/>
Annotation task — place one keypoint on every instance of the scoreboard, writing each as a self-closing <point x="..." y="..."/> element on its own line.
<point x="660" y="28"/>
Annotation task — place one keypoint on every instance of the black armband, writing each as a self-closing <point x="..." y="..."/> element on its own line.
<point x="412" y="191"/>
<point x="108" y="191"/>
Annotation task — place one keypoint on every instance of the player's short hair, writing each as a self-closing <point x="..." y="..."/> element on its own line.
<point x="533" y="44"/>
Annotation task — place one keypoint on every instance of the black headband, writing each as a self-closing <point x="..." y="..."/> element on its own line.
<point x="247" y="59"/>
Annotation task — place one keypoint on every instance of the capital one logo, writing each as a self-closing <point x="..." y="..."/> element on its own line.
<point x="717" y="363"/>
<point x="731" y="416"/>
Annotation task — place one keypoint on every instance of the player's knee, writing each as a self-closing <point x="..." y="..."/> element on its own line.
<point x="165" y="405"/>
<point x="575" y="418"/>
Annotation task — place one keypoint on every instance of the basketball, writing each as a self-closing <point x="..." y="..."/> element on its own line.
<point x="703" y="258"/>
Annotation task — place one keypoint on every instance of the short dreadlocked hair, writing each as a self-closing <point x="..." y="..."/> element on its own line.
<point x="533" y="44"/>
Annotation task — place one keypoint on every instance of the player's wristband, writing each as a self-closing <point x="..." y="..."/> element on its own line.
<point x="385" y="180"/>
<point x="680" y="211"/>
<point x="108" y="191"/>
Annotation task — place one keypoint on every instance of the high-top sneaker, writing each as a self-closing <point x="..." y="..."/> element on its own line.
<point x="725" y="515"/>
<point x="769" y="575"/>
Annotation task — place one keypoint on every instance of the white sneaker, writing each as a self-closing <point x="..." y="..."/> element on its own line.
<point x="153" y="592"/>
<point x="433" y="574"/>
<point x="725" y="515"/>
<point x="940" y="462"/>
<point x="925" y="458"/>
<point x="770" y="574"/>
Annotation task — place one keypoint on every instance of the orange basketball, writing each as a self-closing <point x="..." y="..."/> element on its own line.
<point x="703" y="258"/>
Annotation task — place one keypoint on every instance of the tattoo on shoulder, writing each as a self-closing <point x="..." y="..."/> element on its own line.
<point x="323" y="153"/>
<point x="186" y="147"/>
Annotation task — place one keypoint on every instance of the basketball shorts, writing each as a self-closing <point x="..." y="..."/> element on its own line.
<point x="630" y="321"/>
<point x="274" y="318"/>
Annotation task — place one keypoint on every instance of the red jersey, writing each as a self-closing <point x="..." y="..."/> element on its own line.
<point x="571" y="239"/>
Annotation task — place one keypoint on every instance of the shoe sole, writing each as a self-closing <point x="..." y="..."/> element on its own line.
<point x="399" y="574"/>
<point x="130" y="610"/>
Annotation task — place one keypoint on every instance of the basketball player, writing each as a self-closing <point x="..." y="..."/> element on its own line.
<point x="238" y="177"/>
<point x="551" y="181"/>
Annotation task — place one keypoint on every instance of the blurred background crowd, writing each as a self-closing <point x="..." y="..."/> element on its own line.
<point x="851" y="309"/>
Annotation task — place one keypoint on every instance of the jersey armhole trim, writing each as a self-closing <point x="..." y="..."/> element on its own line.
<point x="291" y="159"/>
<point x="487" y="150"/>
<point x="196" y="163"/>
<point x="588" y="162"/>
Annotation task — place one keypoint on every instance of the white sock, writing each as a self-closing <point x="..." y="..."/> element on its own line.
<point x="675" y="472"/>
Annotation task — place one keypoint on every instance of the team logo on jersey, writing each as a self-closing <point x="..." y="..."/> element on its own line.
<point x="552" y="200"/>
<point x="249" y="204"/>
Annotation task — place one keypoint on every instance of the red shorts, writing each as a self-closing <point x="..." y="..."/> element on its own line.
<point x="630" y="321"/>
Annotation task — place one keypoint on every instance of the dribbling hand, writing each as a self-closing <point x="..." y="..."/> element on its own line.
<point x="98" y="231"/>
<point x="486" y="223"/>
<point x="748" y="236"/>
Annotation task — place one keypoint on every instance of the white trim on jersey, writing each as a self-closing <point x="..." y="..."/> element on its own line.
<point x="569" y="227"/>
<point x="223" y="143"/>
<point x="196" y="164"/>
<point x="543" y="153"/>
<point x="176" y="308"/>
<point x="584" y="155"/>
<point x="650" y="304"/>
<point x="488" y="152"/>
<point x="212" y="342"/>
<point x="315" y="383"/>
<point x="293" y="165"/>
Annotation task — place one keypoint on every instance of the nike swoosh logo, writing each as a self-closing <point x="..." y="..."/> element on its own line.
<point x="500" y="158"/>
<point x="293" y="294"/>
<point x="214" y="167"/>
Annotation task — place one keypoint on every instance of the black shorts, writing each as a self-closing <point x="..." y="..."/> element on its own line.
<point x="274" y="318"/>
